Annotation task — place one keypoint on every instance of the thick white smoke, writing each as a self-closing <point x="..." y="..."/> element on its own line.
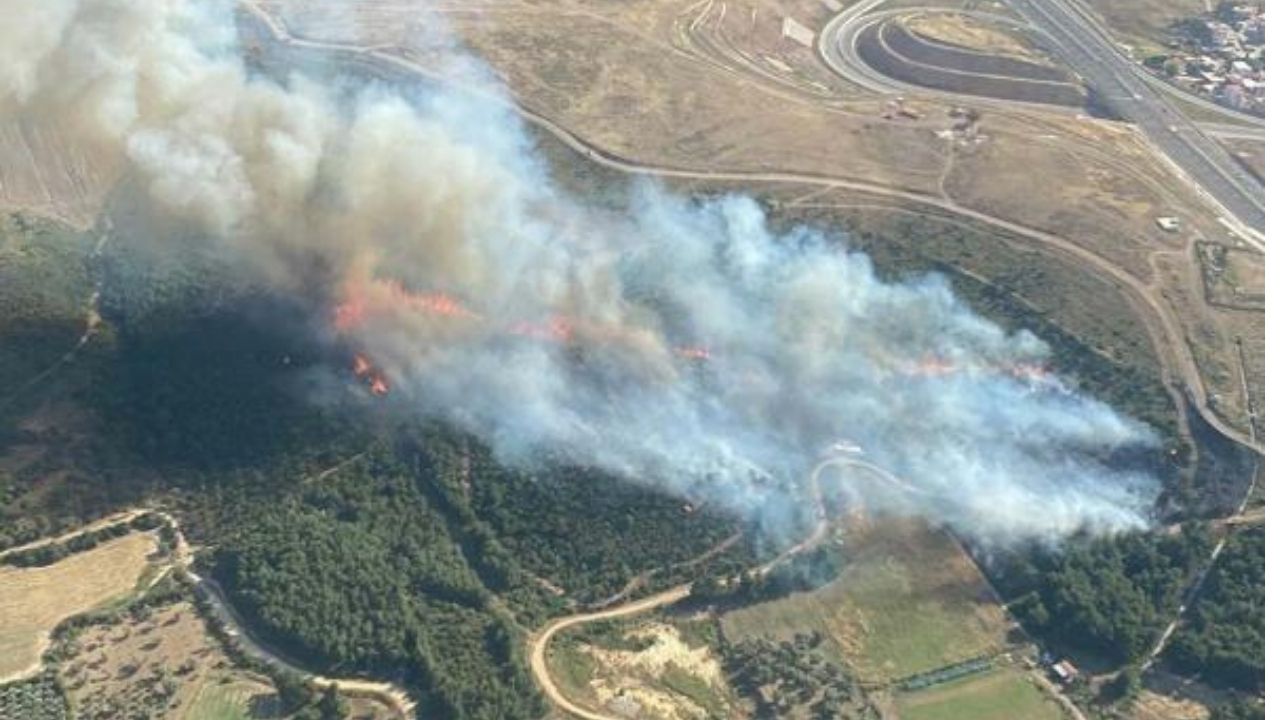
<point x="676" y="343"/>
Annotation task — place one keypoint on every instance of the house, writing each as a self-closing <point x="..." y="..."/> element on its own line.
<point x="1064" y="671"/>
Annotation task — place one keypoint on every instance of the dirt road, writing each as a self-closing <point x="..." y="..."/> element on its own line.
<point x="235" y="627"/>
<point x="541" y="640"/>
<point x="226" y="615"/>
<point x="113" y="519"/>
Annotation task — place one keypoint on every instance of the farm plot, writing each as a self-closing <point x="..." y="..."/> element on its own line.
<point x="1003" y="694"/>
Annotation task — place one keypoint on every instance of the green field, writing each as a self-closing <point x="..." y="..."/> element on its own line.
<point x="223" y="701"/>
<point x="909" y="601"/>
<point x="998" y="695"/>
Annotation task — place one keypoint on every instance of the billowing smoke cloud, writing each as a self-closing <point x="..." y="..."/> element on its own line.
<point x="673" y="342"/>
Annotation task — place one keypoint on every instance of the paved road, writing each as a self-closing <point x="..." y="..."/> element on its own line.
<point x="1123" y="86"/>
<point x="1125" y="91"/>
<point x="836" y="47"/>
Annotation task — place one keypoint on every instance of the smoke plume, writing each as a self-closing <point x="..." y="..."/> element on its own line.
<point x="676" y="343"/>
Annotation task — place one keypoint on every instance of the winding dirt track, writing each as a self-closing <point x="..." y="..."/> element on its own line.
<point x="226" y="616"/>
<point x="541" y="640"/>
<point x="1180" y="370"/>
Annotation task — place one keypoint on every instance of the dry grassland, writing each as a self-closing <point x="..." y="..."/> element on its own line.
<point x="1145" y="23"/>
<point x="126" y="664"/>
<point x="1153" y="706"/>
<point x="34" y="600"/>
<point x="41" y="171"/>
<point x="1250" y="152"/>
<point x="969" y="33"/>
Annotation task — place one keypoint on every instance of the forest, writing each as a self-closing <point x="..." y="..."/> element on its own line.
<point x="420" y="557"/>
<point x="385" y="566"/>
<point x="1109" y="597"/>
<point x="1222" y="639"/>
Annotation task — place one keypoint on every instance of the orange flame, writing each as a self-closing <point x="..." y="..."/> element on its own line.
<point x="371" y="376"/>
<point x="364" y="300"/>
<point x="694" y="352"/>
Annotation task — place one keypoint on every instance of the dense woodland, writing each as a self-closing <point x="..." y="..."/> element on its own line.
<point x="385" y="565"/>
<point x="1222" y="639"/>
<point x="1108" y="597"/>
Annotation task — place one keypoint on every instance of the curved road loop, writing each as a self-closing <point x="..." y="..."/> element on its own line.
<point x="837" y="48"/>
<point x="1123" y="87"/>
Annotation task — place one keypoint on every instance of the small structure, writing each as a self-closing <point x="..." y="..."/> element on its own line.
<point x="1169" y="223"/>
<point x="1064" y="671"/>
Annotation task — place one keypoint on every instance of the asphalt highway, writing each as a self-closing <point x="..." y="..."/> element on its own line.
<point x="1118" y="83"/>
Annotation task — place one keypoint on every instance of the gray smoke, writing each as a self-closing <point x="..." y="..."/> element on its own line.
<point x="676" y="343"/>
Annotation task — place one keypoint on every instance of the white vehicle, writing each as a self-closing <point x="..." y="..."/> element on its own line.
<point x="846" y="446"/>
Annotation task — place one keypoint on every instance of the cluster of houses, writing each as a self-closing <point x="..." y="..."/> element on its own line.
<point x="1221" y="56"/>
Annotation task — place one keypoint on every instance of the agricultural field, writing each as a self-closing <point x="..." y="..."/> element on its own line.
<point x="909" y="601"/>
<point x="161" y="661"/>
<point x="34" y="600"/>
<point x="1003" y="694"/>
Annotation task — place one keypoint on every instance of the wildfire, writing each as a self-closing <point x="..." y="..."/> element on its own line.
<point x="370" y="375"/>
<point x="693" y="352"/>
<point x="364" y="301"/>
<point x="935" y="366"/>
<point x="558" y="329"/>
<point x="385" y="295"/>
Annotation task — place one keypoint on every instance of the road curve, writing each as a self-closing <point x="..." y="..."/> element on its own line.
<point x="234" y="626"/>
<point x="541" y="640"/>
<point x="1126" y="89"/>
